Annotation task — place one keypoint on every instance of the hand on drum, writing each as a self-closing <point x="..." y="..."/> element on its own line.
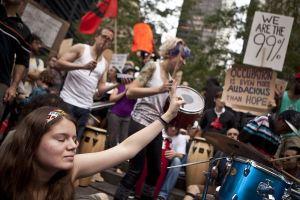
<point x="175" y="104"/>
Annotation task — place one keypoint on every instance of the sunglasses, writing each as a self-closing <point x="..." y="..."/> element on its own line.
<point x="180" y="48"/>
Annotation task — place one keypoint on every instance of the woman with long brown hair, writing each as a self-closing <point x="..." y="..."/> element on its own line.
<point x="38" y="161"/>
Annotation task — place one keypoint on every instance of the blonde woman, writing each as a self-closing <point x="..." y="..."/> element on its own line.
<point x="151" y="89"/>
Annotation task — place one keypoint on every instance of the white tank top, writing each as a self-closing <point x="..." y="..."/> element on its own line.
<point x="80" y="85"/>
<point x="148" y="109"/>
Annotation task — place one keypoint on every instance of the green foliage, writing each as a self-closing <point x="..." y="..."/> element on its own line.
<point x="210" y="57"/>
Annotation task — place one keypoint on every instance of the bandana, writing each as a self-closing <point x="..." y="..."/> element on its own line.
<point x="54" y="114"/>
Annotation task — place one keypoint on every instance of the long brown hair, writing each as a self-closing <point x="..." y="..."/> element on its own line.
<point x="18" y="164"/>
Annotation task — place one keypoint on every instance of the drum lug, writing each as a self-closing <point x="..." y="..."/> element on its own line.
<point x="235" y="197"/>
<point x="286" y="194"/>
<point x="247" y="170"/>
<point x="265" y="190"/>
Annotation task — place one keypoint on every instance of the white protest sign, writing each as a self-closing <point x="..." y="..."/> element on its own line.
<point x="118" y="61"/>
<point x="268" y="40"/>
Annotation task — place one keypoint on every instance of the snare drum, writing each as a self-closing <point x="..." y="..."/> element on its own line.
<point x="247" y="179"/>
<point x="193" y="107"/>
<point x="199" y="150"/>
<point x="93" y="141"/>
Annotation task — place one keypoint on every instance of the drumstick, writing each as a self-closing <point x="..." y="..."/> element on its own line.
<point x="188" y="164"/>
<point x="96" y="65"/>
<point x="95" y="118"/>
<point x="283" y="158"/>
<point x="291" y="176"/>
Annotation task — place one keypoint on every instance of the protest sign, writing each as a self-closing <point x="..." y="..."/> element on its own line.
<point x="48" y="26"/>
<point x="118" y="61"/>
<point x="249" y="89"/>
<point x="268" y="40"/>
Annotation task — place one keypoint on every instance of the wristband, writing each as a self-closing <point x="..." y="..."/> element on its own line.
<point x="191" y="195"/>
<point x="162" y="121"/>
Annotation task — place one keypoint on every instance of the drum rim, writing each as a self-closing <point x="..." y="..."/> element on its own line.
<point x="96" y="129"/>
<point x="263" y="168"/>
<point x="192" y="112"/>
<point x="199" y="138"/>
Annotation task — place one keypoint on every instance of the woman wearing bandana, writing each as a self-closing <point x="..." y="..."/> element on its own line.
<point x="151" y="89"/>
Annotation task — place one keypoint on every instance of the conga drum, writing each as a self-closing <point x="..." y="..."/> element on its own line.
<point x="193" y="107"/>
<point x="199" y="150"/>
<point x="93" y="141"/>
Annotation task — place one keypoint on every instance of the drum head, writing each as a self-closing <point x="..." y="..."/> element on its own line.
<point x="194" y="102"/>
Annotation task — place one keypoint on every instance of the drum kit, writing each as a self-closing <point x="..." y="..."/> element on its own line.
<point x="249" y="173"/>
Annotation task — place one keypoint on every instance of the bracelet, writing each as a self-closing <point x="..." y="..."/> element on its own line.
<point x="191" y="195"/>
<point x="162" y="121"/>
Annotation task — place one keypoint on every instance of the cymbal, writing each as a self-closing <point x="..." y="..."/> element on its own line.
<point x="235" y="148"/>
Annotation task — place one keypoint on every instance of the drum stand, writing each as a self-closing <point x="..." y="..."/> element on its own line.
<point x="212" y="163"/>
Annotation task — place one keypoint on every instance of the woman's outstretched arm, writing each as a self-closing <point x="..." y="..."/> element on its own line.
<point x="90" y="163"/>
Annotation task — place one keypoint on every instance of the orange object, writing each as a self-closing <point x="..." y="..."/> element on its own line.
<point x="142" y="38"/>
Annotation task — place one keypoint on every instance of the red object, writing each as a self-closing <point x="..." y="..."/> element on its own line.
<point x="164" y="162"/>
<point x="92" y="19"/>
<point x="142" y="38"/>
<point x="217" y="124"/>
<point x="297" y="75"/>
<point x="4" y="126"/>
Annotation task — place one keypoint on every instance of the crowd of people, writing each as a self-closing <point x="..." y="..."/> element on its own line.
<point x="47" y="108"/>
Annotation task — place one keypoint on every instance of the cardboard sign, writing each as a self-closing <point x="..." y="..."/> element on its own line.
<point x="118" y="61"/>
<point x="249" y="89"/>
<point x="49" y="27"/>
<point x="268" y="40"/>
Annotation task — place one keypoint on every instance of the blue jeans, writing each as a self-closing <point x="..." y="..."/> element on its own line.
<point x="81" y="116"/>
<point x="171" y="178"/>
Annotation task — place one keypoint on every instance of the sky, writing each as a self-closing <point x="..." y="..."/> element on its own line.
<point x="171" y="22"/>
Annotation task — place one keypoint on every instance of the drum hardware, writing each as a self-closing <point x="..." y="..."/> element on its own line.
<point x="247" y="170"/>
<point x="209" y="176"/>
<point x="265" y="190"/>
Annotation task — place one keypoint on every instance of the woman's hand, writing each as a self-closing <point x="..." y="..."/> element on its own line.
<point x="165" y="87"/>
<point x="175" y="104"/>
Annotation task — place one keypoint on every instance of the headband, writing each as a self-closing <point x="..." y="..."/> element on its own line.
<point x="54" y="114"/>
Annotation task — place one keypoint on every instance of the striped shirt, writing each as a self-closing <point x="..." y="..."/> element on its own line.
<point x="261" y="135"/>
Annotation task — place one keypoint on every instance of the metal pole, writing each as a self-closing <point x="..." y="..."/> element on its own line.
<point x="208" y="176"/>
<point x="116" y="35"/>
